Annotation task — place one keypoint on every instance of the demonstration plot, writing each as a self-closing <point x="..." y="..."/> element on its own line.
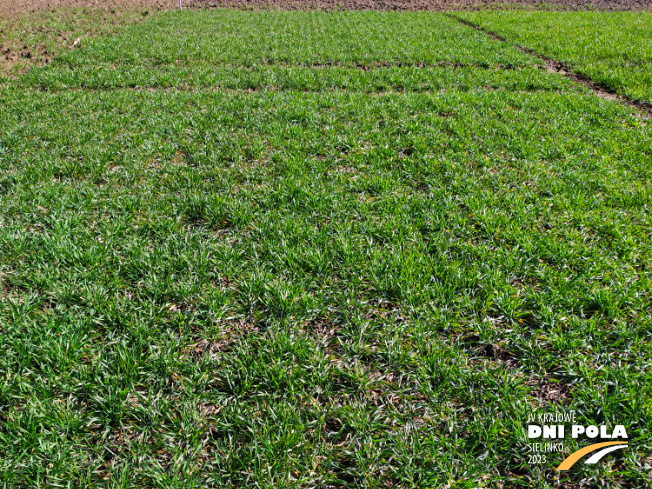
<point x="316" y="283"/>
<point x="614" y="49"/>
<point x="373" y="79"/>
<point x="299" y="38"/>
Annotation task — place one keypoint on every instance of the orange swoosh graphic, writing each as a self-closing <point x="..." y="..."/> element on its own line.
<point x="574" y="457"/>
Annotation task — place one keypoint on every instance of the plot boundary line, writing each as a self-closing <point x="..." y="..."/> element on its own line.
<point x="554" y="66"/>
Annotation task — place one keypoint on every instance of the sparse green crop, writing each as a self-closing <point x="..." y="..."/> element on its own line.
<point x="345" y="277"/>
<point x="35" y="38"/>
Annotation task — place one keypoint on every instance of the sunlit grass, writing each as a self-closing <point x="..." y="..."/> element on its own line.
<point x="614" y="49"/>
<point x="312" y="276"/>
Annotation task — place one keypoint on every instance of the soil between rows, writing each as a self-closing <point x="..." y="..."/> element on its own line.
<point x="10" y="7"/>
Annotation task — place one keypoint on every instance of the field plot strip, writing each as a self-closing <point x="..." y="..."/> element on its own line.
<point x="622" y="70"/>
<point x="554" y="66"/>
<point x="282" y="276"/>
<point x="348" y="38"/>
<point x="297" y="78"/>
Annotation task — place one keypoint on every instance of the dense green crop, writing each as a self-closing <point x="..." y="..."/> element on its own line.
<point x="300" y="38"/>
<point x="345" y="276"/>
<point x="614" y="49"/>
<point x="378" y="78"/>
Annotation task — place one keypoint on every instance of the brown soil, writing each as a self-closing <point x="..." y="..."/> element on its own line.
<point x="10" y="7"/>
<point x="434" y="5"/>
<point x="32" y="36"/>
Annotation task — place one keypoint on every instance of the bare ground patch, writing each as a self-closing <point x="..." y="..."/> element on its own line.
<point x="430" y="5"/>
<point x="11" y="7"/>
<point x="548" y="391"/>
<point x="34" y="37"/>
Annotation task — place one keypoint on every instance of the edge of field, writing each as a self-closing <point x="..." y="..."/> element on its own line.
<point x="34" y="38"/>
<point x="34" y="32"/>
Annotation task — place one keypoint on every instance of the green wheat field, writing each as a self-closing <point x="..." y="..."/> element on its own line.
<point x="312" y="249"/>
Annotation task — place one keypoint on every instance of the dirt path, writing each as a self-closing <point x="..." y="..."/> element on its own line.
<point x="10" y="7"/>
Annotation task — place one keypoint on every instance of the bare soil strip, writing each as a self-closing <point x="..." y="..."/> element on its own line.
<point x="431" y="5"/>
<point x="554" y="66"/>
<point x="10" y="7"/>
